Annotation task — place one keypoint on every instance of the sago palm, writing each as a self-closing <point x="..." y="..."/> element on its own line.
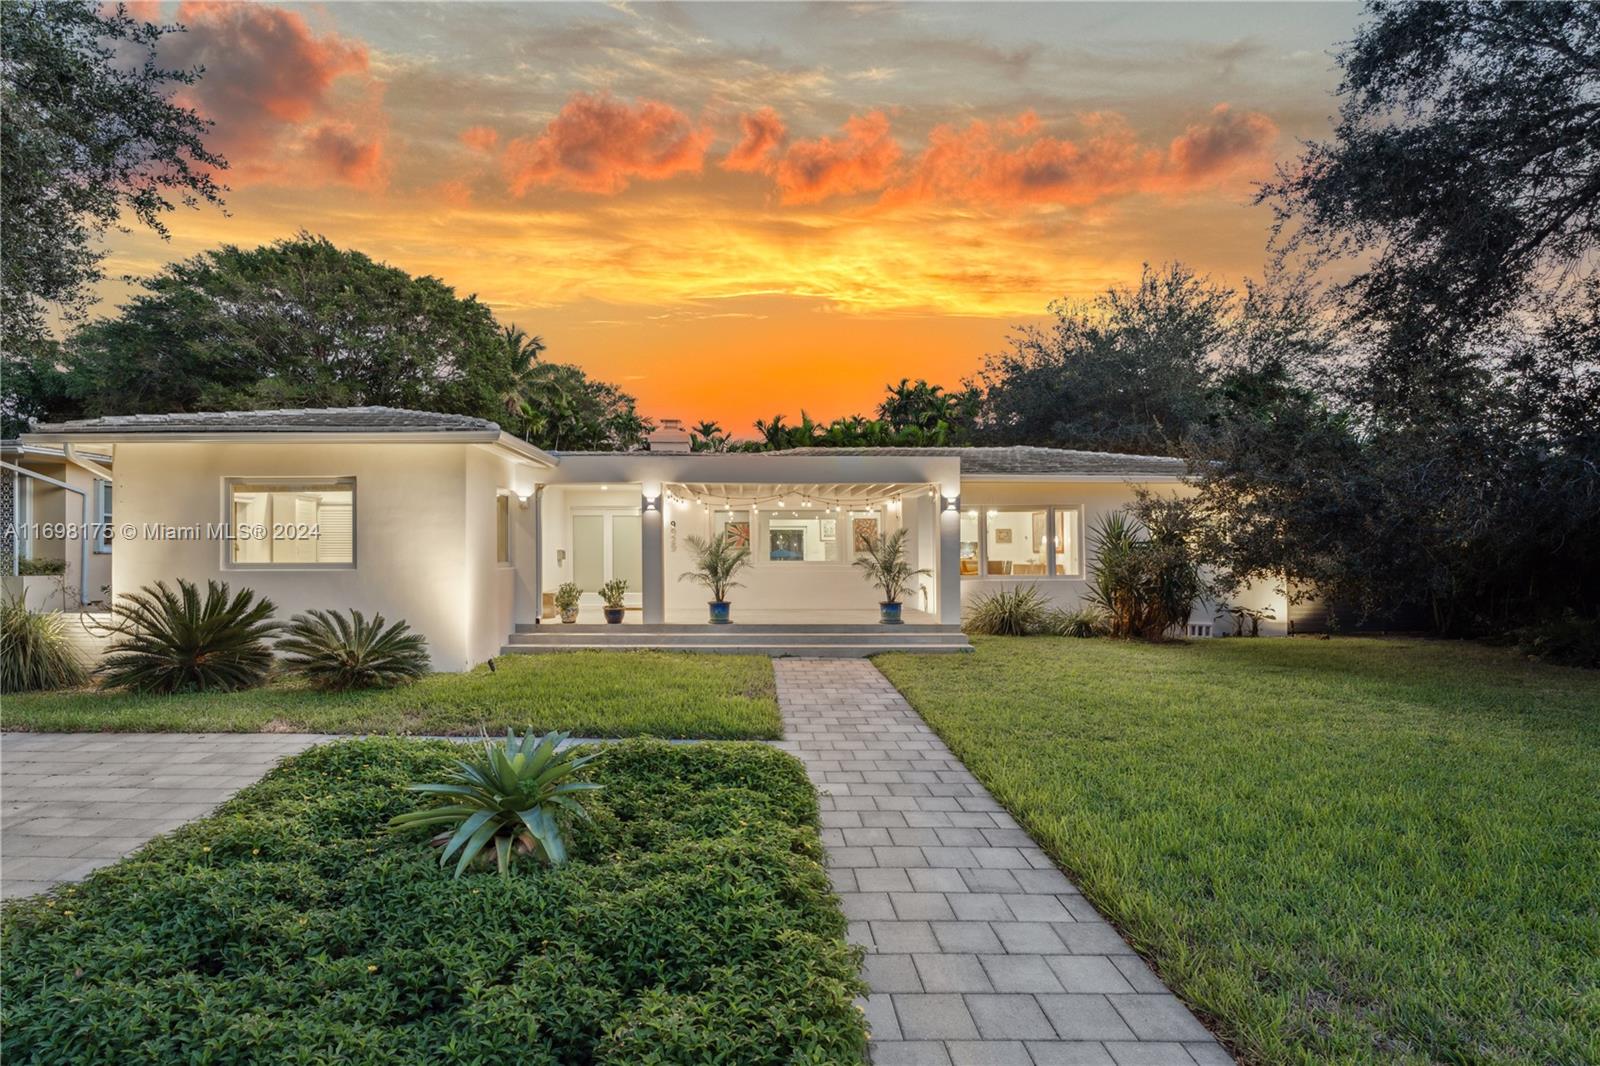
<point x="336" y="652"/>
<point x="509" y="797"/>
<point x="175" y="641"/>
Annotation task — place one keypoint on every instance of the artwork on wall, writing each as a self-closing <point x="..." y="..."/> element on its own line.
<point x="739" y="534"/>
<point x="862" y="531"/>
<point x="1038" y="530"/>
<point x="830" y="528"/>
<point x="786" y="545"/>
<point x="1002" y="535"/>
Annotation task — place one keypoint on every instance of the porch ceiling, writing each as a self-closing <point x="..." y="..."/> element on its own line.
<point x="795" y="494"/>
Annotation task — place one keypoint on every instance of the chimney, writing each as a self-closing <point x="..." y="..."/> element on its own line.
<point x="670" y="436"/>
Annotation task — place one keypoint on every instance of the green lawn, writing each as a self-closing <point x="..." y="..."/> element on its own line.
<point x="1351" y="850"/>
<point x="693" y="924"/>
<point x="601" y="694"/>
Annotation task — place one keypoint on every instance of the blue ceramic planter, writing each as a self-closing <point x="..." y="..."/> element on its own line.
<point x="613" y="615"/>
<point x="889" y="614"/>
<point x="719" y="612"/>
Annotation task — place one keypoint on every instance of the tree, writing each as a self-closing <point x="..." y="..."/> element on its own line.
<point x="1462" y="182"/>
<point x="1128" y="371"/>
<point x="298" y="323"/>
<point x="524" y="352"/>
<point x="708" y="436"/>
<point x="928" y="408"/>
<point x="91" y="137"/>
<point x="567" y="411"/>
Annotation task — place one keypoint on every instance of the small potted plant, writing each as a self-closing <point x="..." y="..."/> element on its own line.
<point x="567" y="602"/>
<point x="715" y="562"/>
<point x="884" y="564"/>
<point x="613" y="592"/>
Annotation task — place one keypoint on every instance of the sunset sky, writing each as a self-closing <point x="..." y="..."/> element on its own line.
<point x="736" y="210"/>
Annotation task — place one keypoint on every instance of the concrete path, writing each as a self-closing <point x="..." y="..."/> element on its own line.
<point x="72" y="802"/>
<point x="980" y="952"/>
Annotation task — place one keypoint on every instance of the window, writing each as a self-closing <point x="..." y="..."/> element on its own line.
<point x="1069" y="541"/>
<point x="301" y="523"/>
<point x="1015" y="543"/>
<point x="502" y="528"/>
<point x="1018" y="542"/>
<point x="800" y="536"/>
<point x="102" y="515"/>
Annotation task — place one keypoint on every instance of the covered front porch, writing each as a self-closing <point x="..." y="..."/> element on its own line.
<point x="805" y="520"/>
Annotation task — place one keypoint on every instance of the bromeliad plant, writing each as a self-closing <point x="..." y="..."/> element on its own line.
<point x="335" y="652"/>
<point x="510" y="797"/>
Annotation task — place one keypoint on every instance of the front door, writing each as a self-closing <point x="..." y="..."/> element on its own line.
<point x="607" y="545"/>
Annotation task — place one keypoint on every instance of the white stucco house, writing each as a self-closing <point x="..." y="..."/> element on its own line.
<point x="466" y="531"/>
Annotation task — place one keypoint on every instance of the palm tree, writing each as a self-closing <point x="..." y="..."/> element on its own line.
<point x="707" y="436"/>
<point x="774" y="432"/>
<point x="523" y="352"/>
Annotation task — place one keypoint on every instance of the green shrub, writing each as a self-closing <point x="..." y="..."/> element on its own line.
<point x="512" y="797"/>
<point x="694" y="923"/>
<point x="175" y="642"/>
<point x="334" y="652"/>
<point x="1569" y="640"/>
<point x="1079" y="622"/>
<point x="34" y="653"/>
<point x="614" y="592"/>
<point x="1144" y="577"/>
<point x="41" y="567"/>
<point x="567" y="596"/>
<point x="1007" y="612"/>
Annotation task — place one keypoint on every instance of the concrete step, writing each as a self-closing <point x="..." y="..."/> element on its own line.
<point x="735" y="627"/>
<point x="799" y="650"/>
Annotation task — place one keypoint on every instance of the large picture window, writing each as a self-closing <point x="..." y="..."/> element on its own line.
<point x="295" y="523"/>
<point x="1022" y="542"/>
<point x="800" y="536"/>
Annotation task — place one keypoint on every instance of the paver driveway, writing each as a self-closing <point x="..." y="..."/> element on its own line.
<point x="71" y="802"/>
<point x="979" y="950"/>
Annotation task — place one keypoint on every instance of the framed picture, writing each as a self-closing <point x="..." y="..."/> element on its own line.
<point x="862" y="530"/>
<point x="830" y="529"/>
<point x="739" y="534"/>
<point x="786" y="545"/>
<point x="1002" y="535"/>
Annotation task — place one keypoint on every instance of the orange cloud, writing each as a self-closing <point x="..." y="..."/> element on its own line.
<point x="599" y="144"/>
<point x="864" y="159"/>
<point x="480" y="138"/>
<point x="1008" y="162"/>
<point x="268" y="78"/>
<point x="761" y="132"/>
<point x="1220" y="144"/>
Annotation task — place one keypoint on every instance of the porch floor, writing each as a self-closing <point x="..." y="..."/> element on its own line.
<point x="755" y="616"/>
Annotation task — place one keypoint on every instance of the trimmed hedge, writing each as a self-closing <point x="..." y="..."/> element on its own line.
<point x="695" y="924"/>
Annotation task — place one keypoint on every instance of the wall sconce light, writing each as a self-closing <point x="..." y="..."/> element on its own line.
<point x="952" y="503"/>
<point x="650" y="503"/>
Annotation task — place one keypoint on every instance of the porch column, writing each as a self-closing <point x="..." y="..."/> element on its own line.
<point x="949" y="562"/>
<point x="654" y="564"/>
<point x="538" y="555"/>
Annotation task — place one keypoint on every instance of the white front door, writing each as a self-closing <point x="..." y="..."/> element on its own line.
<point x="606" y="545"/>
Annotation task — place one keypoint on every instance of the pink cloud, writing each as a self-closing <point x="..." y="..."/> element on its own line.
<point x="864" y="159"/>
<point x="1008" y="161"/>
<point x="269" y="85"/>
<point x="599" y="144"/>
<point x="480" y="138"/>
<point x="760" y="134"/>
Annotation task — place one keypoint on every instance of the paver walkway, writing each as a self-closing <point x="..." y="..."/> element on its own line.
<point x="71" y="802"/>
<point x="980" y="952"/>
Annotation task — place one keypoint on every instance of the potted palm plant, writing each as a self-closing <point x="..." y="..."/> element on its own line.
<point x="567" y="597"/>
<point x="715" y="562"/>
<point x="884" y="564"/>
<point x="613" y="592"/>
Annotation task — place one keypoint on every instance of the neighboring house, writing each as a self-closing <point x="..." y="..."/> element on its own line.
<point x="465" y="531"/>
<point x="56" y="508"/>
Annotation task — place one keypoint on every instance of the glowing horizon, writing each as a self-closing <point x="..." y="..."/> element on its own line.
<point x="732" y="211"/>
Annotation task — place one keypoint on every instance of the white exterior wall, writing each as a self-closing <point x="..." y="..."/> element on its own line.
<point x="424" y="532"/>
<point x="53" y="506"/>
<point x="1098" y="500"/>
